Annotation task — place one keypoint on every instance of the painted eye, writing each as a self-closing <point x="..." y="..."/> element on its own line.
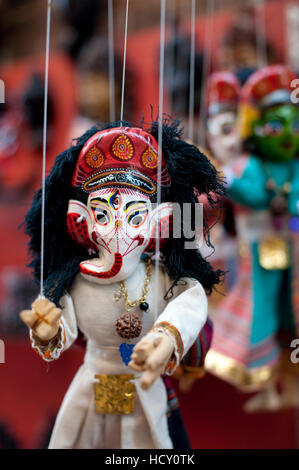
<point x="137" y="218"/>
<point x="227" y="128"/>
<point x="273" y="128"/>
<point x="296" y="128"/>
<point x="102" y="217"/>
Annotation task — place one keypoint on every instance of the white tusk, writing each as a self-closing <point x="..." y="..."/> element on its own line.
<point x="82" y="217"/>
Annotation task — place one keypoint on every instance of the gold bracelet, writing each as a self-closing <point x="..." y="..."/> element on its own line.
<point x="174" y="332"/>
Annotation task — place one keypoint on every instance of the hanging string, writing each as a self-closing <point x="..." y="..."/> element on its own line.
<point x="260" y="25"/>
<point x="171" y="62"/>
<point x="42" y="251"/>
<point x="192" y="73"/>
<point x="124" y="65"/>
<point x="160" y="135"/>
<point x="111" y="62"/>
<point x="206" y="69"/>
<point x="291" y="25"/>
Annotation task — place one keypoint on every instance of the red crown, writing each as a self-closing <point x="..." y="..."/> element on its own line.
<point x="223" y="92"/>
<point x="120" y="157"/>
<point x="269" y="85"/>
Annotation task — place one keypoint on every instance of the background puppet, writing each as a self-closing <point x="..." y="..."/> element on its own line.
<point x="107" y="184"/>
<point x="224" y="142"/>
<point x="260" y="315"/>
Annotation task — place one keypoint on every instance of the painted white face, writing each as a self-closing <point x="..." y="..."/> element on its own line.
<point x="223" y="136"/>
<point x="119" y="225"/>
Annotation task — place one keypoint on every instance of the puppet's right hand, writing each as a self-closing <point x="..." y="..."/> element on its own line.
<point x="42" y="319"/>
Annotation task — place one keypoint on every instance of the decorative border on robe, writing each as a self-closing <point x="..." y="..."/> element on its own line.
<point x="53" y="349"/>
<point x="174" y="334"/>
<point x="237" y="374"/>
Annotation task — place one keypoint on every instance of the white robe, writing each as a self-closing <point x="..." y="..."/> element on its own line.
<point x="92" y="308"/>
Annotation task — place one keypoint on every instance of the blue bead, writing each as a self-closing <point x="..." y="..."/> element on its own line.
<point x="126" y="350"/>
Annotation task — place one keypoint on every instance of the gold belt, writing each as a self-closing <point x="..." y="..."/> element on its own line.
<point x="114" y="394"/>
<point x="274" y="253"/>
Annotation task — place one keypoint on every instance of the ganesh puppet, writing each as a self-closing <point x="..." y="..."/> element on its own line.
<point x="260" y="315"/>
<point x="102" y="227"/>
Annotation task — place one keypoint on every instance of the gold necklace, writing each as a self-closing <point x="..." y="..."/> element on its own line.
<point x="124" y="291"/>
<point x="129" y="325"/>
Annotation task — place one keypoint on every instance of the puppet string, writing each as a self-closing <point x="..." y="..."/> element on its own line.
<point x="111" y="62"/>
<point x="192" y="72"/>
<point x="206" y="68"/>
<point x="172" y="52"/>
<point x="124" y="65"/>
<point x="49" y="8"/>
<point x="160" y="135"/>
<point x="261" y="31"/>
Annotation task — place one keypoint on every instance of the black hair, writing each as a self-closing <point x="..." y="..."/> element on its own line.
<point x="191" y="174"/>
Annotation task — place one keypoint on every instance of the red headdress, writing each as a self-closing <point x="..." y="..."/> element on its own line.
<point x="222" y="92"/>
<point x="268" y="86"/>
<point x="120" y="157"/>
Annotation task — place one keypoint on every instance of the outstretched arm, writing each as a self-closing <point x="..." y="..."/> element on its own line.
<point x="249" y="187"/>
<point x="174" y="332"/>
<point x="52" y="330"/>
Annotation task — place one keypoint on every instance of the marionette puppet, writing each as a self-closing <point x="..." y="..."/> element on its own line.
<point x="94" y="82"/>
<point x="223" y="137"/>
<point x="100" y="227"/>
<point x="224" y="142"/>
<point x="259" y="317"/>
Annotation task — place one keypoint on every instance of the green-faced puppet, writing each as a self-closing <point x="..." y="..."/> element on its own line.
<point x="276" y="133"/>
<point x="269" y="118"/>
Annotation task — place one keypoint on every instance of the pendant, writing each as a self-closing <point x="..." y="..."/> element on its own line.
<point x="274" y="253"/>
<point x="128" y="325"/>
<point x="126" y="350"/>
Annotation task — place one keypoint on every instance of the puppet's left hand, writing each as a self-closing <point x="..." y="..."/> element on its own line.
<point x="152" y="355"/>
